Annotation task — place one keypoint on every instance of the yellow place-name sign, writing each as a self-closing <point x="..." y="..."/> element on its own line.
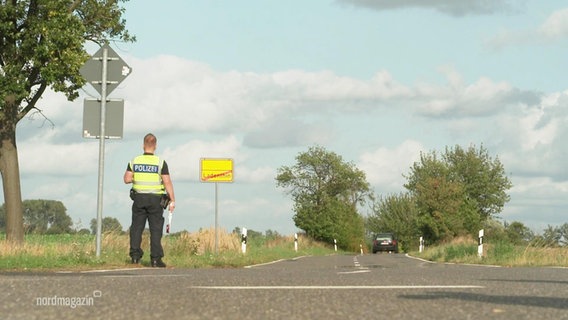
<point x="216" y="170"/>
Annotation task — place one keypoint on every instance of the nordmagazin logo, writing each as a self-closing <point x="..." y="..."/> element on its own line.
<point x="71" y="302"/>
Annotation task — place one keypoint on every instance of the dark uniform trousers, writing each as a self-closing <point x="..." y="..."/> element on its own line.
<point x="146" y="207"/>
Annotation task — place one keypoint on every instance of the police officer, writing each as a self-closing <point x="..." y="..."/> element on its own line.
<point x="150" y="180"/>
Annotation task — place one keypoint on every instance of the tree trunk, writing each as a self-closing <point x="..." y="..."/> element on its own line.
<point x="10" y="171"/>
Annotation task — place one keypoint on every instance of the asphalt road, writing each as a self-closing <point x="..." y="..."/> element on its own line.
<point x="381" y="286"/>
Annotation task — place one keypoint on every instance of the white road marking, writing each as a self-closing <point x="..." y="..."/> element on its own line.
<point x="144" y="275"/>
<point x="333" y="287"/>
<point x="356" y="271"/>
<point x="358" y="266"/>
<point x="451" y="263"/>
<point x="103" y="270"/>
<point x="272" y="262"/>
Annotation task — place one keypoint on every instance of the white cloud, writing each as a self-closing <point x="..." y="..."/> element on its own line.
<point x="268" y="109"/>
<point x="39" y="157"/>
<point x="556" y="25"/>
<point x="534" y="139"/>
<point x="210" y="101"/>
<point x="537" y="201"/>
<point x="327" y="86"/>
<point x="187" y="96"/>
<point x="262" y="174"/>
<point x="291" y="108"/>
<point x="385" y="167"/>
<point x="553" y="29"/>
<point x="482" y="98"/>
<point x="542" y="190"/>
<point x="285" y="132"/>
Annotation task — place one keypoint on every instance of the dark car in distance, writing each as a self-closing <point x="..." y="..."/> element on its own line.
<point x="385" y="242"/>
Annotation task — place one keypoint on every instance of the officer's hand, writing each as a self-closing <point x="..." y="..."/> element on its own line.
<point x="172" y="206"/>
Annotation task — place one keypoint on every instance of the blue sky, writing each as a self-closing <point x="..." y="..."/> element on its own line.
<point x="376" y="82"/>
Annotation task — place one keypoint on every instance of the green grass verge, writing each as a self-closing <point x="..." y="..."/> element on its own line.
<point x="500" y="253"/>
<point x="196" y="250"/>
<point x="185" y="250"/>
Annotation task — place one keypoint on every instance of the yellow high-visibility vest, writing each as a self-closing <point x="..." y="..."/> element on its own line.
<point x="147" y="176"/>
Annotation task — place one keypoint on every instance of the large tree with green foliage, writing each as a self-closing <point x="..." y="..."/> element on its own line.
<point x="457" y="192"/>
<point x="109" y="224"/>
<point x="42" y="46"/>
<point x="555" y="235"/>
<point x="396" y="213"/>
<point x="517" y="233"/>
<point x="42" y="217"/>
<point x="326" y="192"/>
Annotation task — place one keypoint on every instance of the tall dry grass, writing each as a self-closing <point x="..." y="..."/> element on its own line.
<point x="201" y="242"/>
<point x="465" y="250"/>
<point x="52" y="251"/>
<point x="185" y="249"/>
<point x="527" y="256"/>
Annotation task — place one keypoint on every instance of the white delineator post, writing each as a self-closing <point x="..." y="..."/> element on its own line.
<point x="361" y="246"/>
<point x="480" y="246"/>
<point x="296" y="242"/>
<point x="421" y="247"/>
<point x="244" y="240"/>
<point x="335" y="244"/>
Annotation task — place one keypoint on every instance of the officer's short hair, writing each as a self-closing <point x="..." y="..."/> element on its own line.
<point x="150" y="140"/>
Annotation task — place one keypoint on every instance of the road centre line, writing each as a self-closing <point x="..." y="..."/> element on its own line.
<point x="333" y="287"/>
<point x="358" y="266"/>
<point x="362" y="270"/>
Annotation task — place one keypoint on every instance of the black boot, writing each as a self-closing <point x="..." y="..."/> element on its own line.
<point x="158" y="263"/>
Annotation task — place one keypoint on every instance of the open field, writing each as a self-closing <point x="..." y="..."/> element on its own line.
<point x="182" y="250"/>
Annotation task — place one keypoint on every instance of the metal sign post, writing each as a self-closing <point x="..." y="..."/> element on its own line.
<point x="104" y="77"/>
<point x="101" y="153"/>
<point x="216" y="170"/>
